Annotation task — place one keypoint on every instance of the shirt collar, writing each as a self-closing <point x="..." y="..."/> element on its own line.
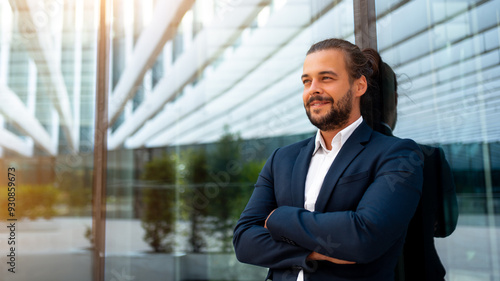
<point x="344" y="134"/>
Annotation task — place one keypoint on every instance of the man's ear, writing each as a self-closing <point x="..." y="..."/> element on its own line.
<point x="360" y="86"/>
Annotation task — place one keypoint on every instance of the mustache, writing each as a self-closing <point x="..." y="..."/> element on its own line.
<point x="319" y="98"/>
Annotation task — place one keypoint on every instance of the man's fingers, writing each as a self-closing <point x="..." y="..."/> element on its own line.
<point x="339" y="261"/>
<point x="320" y="257"/>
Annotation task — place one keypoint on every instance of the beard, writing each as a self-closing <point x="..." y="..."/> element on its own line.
<point x="338" y="115"/>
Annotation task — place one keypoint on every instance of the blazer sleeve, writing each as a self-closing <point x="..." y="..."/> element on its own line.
<point x="380" y="220"/>
<point x="252" y="242"/>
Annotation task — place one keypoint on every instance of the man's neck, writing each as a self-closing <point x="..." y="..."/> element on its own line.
<point x="329" y="135"/>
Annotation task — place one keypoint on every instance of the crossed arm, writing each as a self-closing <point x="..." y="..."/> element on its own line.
<point x="314" y="256"/>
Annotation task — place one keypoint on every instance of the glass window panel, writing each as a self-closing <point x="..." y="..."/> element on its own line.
<point x="47" y="92"/>
<point x="447" y="62"/>
<point x="182" y="165"/>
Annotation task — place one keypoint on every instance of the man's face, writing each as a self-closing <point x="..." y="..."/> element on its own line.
<point x="327" y="95"/>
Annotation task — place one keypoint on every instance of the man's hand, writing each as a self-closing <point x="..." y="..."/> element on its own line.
<point x="265" y="223"/>
<point x="319" y="257"/>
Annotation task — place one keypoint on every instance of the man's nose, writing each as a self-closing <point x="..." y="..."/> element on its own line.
<point x="315" y="88"/>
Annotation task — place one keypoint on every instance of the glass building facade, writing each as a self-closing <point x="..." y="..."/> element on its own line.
<point x="194" y="95"/>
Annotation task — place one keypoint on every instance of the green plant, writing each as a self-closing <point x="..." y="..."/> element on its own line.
<point x="194" y="198"/>
<point x="76" y="185"/>
<point x="158" y="215"/>
<point x="31" y="201"/>
<point x="89" y="235"/>
<point x="158" y="219"/>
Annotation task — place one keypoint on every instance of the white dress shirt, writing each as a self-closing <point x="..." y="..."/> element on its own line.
<point x="321" y="161"/>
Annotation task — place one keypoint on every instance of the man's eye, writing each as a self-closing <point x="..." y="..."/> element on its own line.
<point x="327" y="78"/>
<point x="306" y="81"/>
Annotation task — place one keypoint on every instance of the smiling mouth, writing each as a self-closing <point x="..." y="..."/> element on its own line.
<point x="319" y="101"/>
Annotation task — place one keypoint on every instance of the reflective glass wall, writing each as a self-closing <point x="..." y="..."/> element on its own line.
<point x="47" y="92"/>
<point x="201" y="92"/>
<point x="448" y="67"/>
<point x="212" y="99"/>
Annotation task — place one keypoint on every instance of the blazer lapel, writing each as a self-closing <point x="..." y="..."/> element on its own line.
<point x="349" y="151"/>
<point x="299" y="174"/>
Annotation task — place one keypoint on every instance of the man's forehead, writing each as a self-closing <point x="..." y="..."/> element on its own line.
<point x="324" y="61"/>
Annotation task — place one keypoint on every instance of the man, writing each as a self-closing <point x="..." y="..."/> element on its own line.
<point x="335" y="206"/>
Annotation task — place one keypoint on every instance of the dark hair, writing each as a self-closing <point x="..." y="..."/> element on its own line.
<point x="376" y="114"/>
<point x="359" y="63"/>
<point x="385" y="95"/>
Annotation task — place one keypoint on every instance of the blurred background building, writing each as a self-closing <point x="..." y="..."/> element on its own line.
<point x="200" y="93"/>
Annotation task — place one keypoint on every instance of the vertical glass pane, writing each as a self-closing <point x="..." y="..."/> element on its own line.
<point x="203" y="92"/>
<point x="47" y="90"/>
<point x="448" y="64"/>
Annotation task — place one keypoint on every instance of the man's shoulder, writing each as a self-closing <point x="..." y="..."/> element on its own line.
<point x="291" y="151"/>
<point x="378" y="137"/>
<point x="368" y="137"/>
<point x="388" y="146"/>
<point x="297" y="146"/>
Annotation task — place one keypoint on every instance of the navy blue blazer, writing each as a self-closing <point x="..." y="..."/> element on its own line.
<point x="362" y="212"/>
